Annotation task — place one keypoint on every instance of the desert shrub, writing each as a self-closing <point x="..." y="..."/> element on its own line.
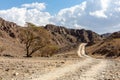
<point x="49" y="50"/>
<point x="35" y="39"/>
<point x="7" y="55"/>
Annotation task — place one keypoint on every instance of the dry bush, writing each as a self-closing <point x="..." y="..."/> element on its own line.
<point x="34" y="38"/>
<point x="7" y="55"/>
<point x="49" y="50"/>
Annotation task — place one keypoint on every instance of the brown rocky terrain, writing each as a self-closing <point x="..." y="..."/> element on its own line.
<point x="60" y="68"/>
<point x="61" y="38"/>
<point x="73" y="35"/>
<point x="71" y="63"/>
<point x="9" y="39"/>
<point x="110" y="47"/>
<point x="106" y="35"/>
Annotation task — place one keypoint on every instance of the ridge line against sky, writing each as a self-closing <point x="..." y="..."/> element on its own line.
<point x="98" y="15"/>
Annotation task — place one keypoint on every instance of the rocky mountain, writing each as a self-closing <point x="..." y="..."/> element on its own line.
<point x="110" y="47"/>
<point x="9" y="28"/>
<point x="115" y="35"/>
<point x="73" y="35"/>
<point x="106" y="35"/>
<point x="11" y="37"/>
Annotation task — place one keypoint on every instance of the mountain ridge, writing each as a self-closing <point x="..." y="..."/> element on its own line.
<point x="65" y="39"/>
<point x="109" y="47"/>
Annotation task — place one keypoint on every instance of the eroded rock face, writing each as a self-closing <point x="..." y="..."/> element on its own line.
<point x="9" y="41"/>
<point x="73" y="35"/>
<point x="109" y="47"/>
<point x="115" y="35"/>
<point x="9" y="28"/>
<point x="64" y="38"/>
<point x="106" y="35"/>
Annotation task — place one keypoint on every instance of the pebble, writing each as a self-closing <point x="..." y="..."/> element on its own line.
<point x="15" y="74"/>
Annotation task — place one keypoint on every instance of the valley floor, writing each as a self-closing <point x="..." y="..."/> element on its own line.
<point x="59" y="69"/>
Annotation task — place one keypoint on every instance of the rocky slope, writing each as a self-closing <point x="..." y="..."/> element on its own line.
<point x="11" y="37"/>
<point x="110" y="47"/>
<point x="106" y="35"/>
<point x="72" y="35"/>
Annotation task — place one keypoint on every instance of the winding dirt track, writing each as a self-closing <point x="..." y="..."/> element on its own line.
<point x="87" y="69"/>
<point x="60" y="68"/>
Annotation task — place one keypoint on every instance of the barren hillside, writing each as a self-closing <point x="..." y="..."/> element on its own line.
<point x="60" y="38"/>
<point x="110" y="47"/>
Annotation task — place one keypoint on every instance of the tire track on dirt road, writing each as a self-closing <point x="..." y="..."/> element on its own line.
<point x="90" y="68"/>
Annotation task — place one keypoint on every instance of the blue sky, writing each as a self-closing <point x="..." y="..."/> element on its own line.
<point x="53" y="6"/>
<point x="100" y="16"/>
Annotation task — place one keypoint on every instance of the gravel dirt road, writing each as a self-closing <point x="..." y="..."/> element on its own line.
<point x="83" y="68"/>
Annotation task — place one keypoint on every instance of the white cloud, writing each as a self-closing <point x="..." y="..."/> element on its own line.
<point x="14" y="14"/>
<point x="27" y="13"/>
<point x="69" y="16"/>
<point x="97" y="15"/>
<point x="37" y="17"/>
<point x="101" y="13"/>
<point x="74" y="9"/>
<point x="117" y="9"/>
<point x="36" y="5"/>
<point x="117" y="2"/>
<point x="105" y="4"/>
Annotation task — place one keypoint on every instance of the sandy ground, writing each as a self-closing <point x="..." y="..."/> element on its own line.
<point x="27" y="69"/>
<point x="59" y="68"/>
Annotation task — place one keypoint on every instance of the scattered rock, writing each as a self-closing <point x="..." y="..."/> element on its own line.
<point x="1" y="78"/>
<point x="62" y="62"/>
<point x="16" y="73"/>
<point x="58" y="65"/>
<point x="7" y="69"/>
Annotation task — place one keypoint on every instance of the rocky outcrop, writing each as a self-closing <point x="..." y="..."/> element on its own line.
<point x="9" y="28"/>
<point x="72" y="35"/>
<point x="110" y="47"/>
<point x="9" y="39"/>
<point x="106" y="35"/>
<point x="85" y="35"/>
<point x="11" y="35"/>
<point x="115" y="35"/>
